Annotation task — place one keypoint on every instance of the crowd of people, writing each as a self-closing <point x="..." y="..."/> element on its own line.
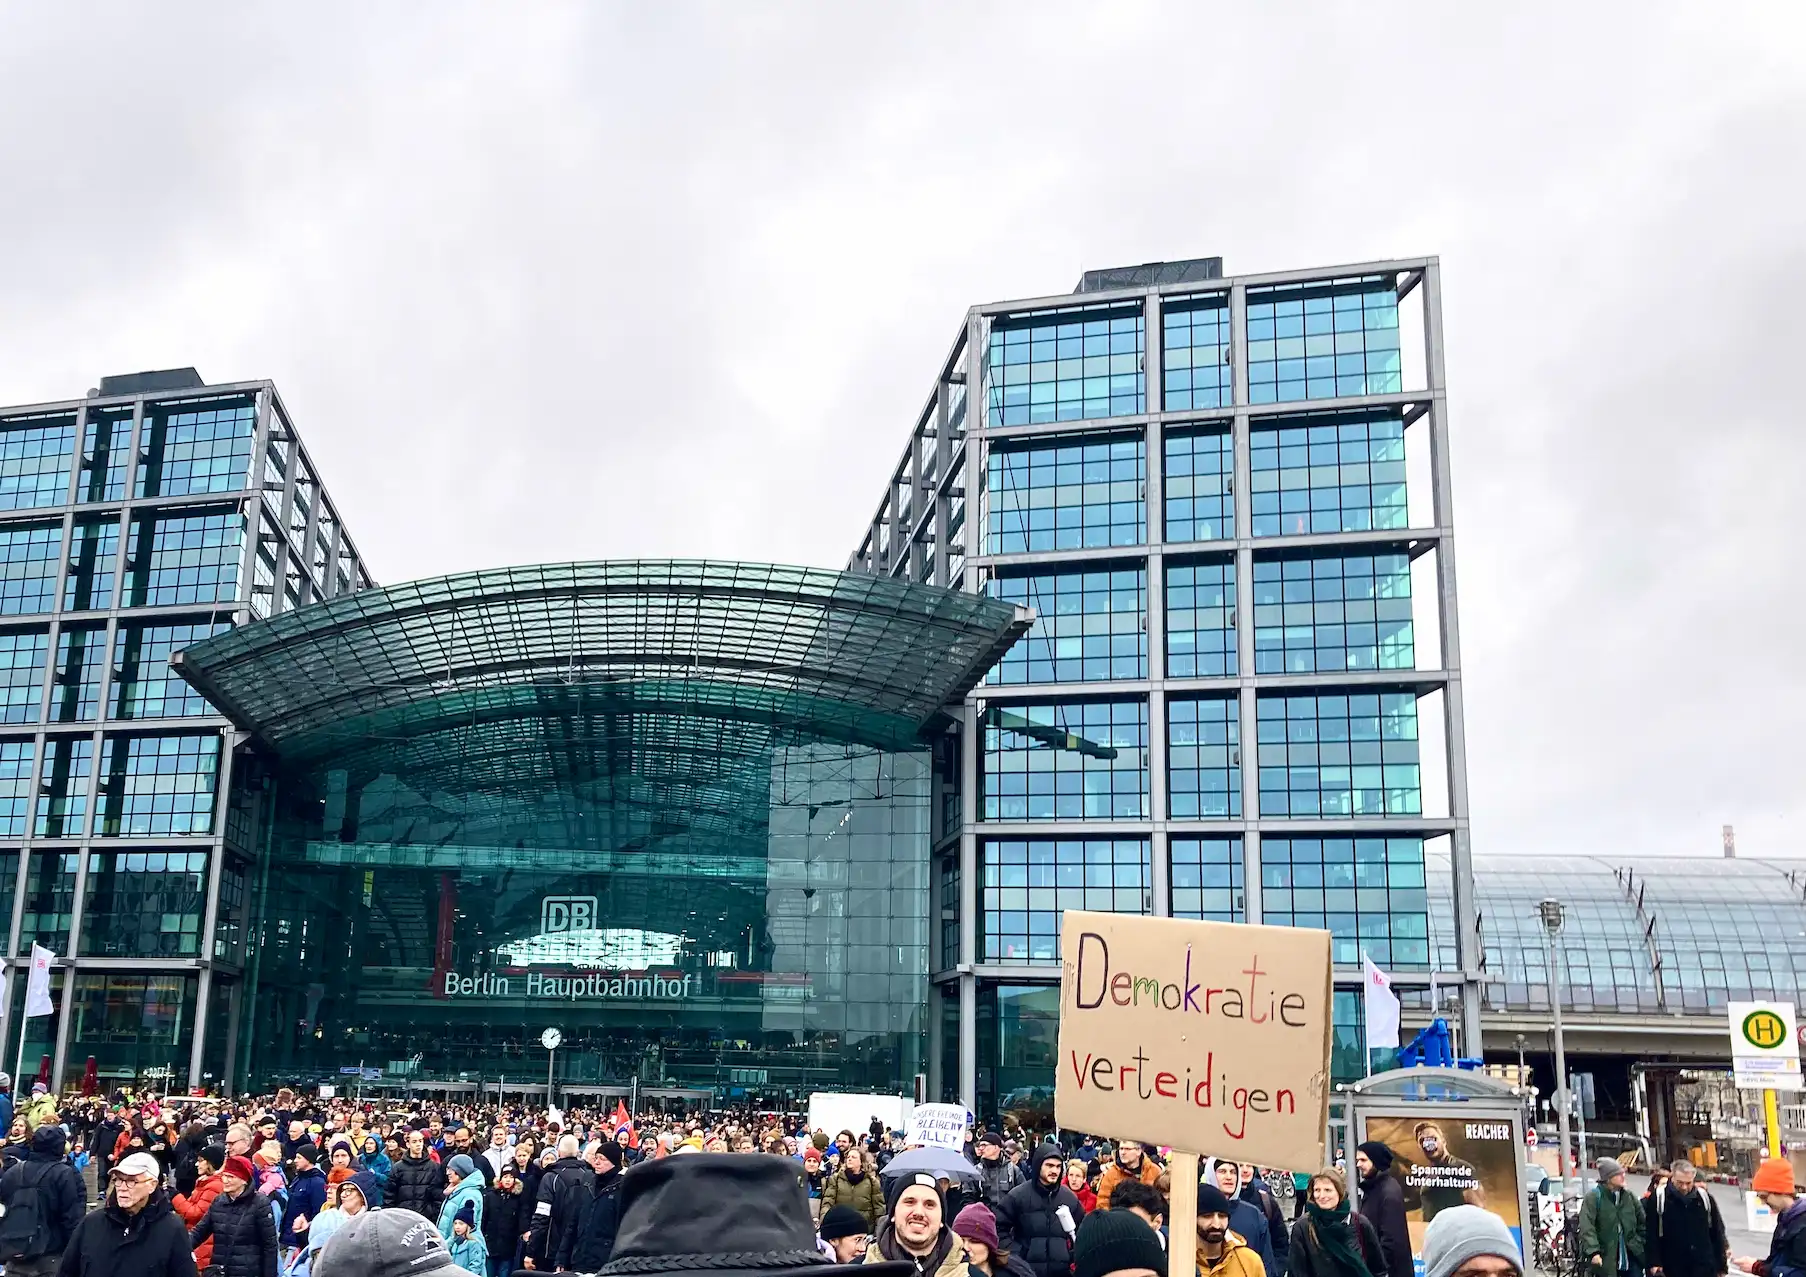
<point x="290" y="1186"/>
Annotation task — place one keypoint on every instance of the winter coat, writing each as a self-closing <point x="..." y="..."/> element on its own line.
<point x="947" y="1259"/>
<point x="306" y="1198"/>
<point x="1383" y="1205"/>
<point x="1608" y="1217"/>
<point x="1787" y="1251"/>
<point x="1087" y="1198"/>
<point x="60" y="1186"/>
<point x="1114" y="1174"/>
<point x="1684" y="1233"/>
<point x="1237" y="1260"/>
<point x="242" y="1235"/>
<point x="379" y="1166"/>
<point x="416" y="1184"/>
<point x="192" y="1207"/>
<point x="468" y="1252"/>
<point x="866" y="1196"/>
<point x="1306" y="1258"/>
<point x="110" y="1243"/>
<point x="1028" y="1226"/>
<point x="469" y="1189"/>
<point x="593" y="1242"/>
<point x="996" y="1181"/>
<point x="505" y="1218"/>
<point x="1256" y="1193"/>
<point x="564" y="1190"/>
<point x="1247" y="1221"/>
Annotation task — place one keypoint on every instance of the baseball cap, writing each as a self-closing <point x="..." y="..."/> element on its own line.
<point x="387" y="1243"/>
<point x="139" y="1164"/>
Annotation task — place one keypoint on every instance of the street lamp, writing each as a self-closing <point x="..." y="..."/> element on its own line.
<point x="1550" y="912"/>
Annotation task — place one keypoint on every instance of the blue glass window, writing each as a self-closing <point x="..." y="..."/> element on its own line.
<point x="106" y="452"/>
<point x="81" y="655"/>
<point x="35" y="455"/>
<point x="1075" y="760"/>
<point x="1197" y="370"/>
<point x="1066" y="365"/>
<point x="1203" y="758"/>
<point x="1200" y="619"/>
<point x="146" y="686"/>
<point x="1368" y="893"/>
<point x="1028" y="882"/>
<point x="185" y="558"/>
<point x="1067" y="496"/>
<point x="1323" y="613"/>
<point x="15" y="786"/>
<point x="1339" y="755"/>
<point x="63" y="801"/>
<point x="204" y="447"/>
<point x="22" y="660"/>
<point x="1322" y="340"/>
<point x="157" y="785"/>
<point x="144" y="904"/>
<point x="28" y="564"/>
<point x="93" y="562"/>
<point x="1207" y="879"/>
<point x="49" y="897"/>
<point x="1089" y="625"/>
<point x="1199" y="478"/>
<point x="1339" y="473"/>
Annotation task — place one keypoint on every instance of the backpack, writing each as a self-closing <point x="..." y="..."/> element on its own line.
<point x="25" y="1227"/>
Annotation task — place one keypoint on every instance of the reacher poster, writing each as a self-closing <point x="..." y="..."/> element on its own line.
<point x="1443" y="1161"/>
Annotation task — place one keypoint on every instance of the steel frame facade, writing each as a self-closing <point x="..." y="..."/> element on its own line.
<point x="929" y="526"/>
<point x="324" y="530"/>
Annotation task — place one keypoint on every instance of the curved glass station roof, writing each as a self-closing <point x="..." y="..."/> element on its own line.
<point x="651" y="680"/>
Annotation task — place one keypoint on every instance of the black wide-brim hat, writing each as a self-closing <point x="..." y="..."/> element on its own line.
<point x="726" y="1215"/>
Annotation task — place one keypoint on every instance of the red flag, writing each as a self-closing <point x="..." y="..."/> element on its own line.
<point x="621" y="1116"/>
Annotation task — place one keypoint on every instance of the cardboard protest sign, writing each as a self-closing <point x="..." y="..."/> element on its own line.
<point x="1212" y="1037"/>
<point x="939" y="1125"/>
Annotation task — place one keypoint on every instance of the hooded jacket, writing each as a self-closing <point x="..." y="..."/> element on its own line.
<point x="416" y="1184"/>
<point x="1237" y="1260"/>
<point x="1684" y="1232"/>
<point x="1787" y="1250"/>
<point x="469" y="1189"/>
<point x="65" y="1195"/>
<point x="109" y="1242"/>
<point x="378" y="1164"/>
<point x="505" y="1217"/>
<point x="192" y="1207"/>
<point x="241" y="1235"/>
<point x="1029" y="1225"/>
<point x="1114" y="1174"/>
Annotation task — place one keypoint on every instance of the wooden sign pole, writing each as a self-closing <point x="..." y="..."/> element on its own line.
<point x="1182" y="1215"/>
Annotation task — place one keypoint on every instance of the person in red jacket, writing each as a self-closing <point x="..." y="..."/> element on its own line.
<point x="1078" y="1179"/>
<point x="192" y="1207"/>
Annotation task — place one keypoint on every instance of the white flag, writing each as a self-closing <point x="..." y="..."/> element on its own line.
<point x="37" y="987"/>
<point x="1382" y="1006"/>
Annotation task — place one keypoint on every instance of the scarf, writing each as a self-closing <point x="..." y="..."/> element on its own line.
<point x="1337" y="1238"/>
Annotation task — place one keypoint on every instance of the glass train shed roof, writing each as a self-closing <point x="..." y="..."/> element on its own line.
<point x="665" y="672"/>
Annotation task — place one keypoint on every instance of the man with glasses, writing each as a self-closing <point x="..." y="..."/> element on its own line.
<point x="135" y="1233"/>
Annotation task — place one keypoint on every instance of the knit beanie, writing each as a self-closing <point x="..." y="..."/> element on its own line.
<point x="467" y="1212"/>
<point x="214" y="1155"/>
<point x="1461" y="1233"/>
<point x="241" y="1167"/>
<point x="976" y="1223"/>
<point x="1775" y="1175"/>
<point x="1610" y="1166"/>
<point x="842" y="1221"/>
<point x="307" y="1153"/>
<point x="608" y="1151"/>
<point x="49" y="1141"/>
<point x="920" y="1179"/>
<point x="820" y="1140"/>
<point x="462" y="1164"/>
<point x="1112" y="1240"/>
<point x="1211" y="1200"/>
<point x="989" y="1137"/>
<point x="1378" y="1154"/>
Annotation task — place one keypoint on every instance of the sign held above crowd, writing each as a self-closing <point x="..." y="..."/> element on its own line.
<point x="1211" y="1037"/>
<point x="939" y="1125"/>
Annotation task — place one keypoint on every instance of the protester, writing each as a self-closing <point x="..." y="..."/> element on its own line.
<point x="843" y="1234"/>
<point x="1383" y="1205"/>
<point x="417" y="1182"/>
<point x="976" y="1226"/>
<point x="1256" y="1193"/>
<point x="1773" y="1182"/>
<point x="1078" y="1179"/>
<point x="558" y="1207"/>
<point x="505" y="1219"/>
<point x="997" y="1174"/>
<point x="1040" y="1219"/>
<point x="1611" y="1225"/>
<point x="1329" y="1239"/>
<point x="345" y="1201"/>
<point x="239" y="1233"/>
<point x="1131" y="1162"/>
<point x="1470" y="1241"/>
<point x="1142" y="1200"/>
<point x="306" y="1197"/>
<point x="1117" y="1243"/>
<point x="1246" y="1220"/>
<point x="855" y="1184"/>
<point x="599" y="1216"/>
<point x="914" y="1229"/>
<point x="32" y="1241"/>
<point x="136" y="1234"/>
<point x="377" y="1162"/>
<point x="1683" y="1229"/>
<point x="192" y="1207"/>
<point x="463" y="1187"/>
<point x="1220" y="1251"/>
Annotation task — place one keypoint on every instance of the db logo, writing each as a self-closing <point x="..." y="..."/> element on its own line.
<point x="567" y="913"/>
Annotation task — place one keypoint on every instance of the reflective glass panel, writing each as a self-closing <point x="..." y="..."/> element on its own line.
<point x="35" y="456"/>
<point x="1071" y="760"/>
<point x="1199" y="478"/>
<point x="1197" y="369"/>
<point x="1342" y="473"/>
<point x="153" y="785"/>
<point x="1324" y="339"/>
<point x="1207" y="879"/>
<point x="1028" y="882"/>
<point x="1203" y="758"/>
<point x="1067" y="496"/>
<point x="1339" y="755"/>
<point x="1089" y="625"/>
<point x="1314" y="614"/>
<point x="1200" y="619"/>
<point x="1066" y="365"/>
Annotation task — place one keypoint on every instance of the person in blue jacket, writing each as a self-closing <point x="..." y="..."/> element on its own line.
<point x="374" y="1160"/>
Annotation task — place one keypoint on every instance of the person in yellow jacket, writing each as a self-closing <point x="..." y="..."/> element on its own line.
<point x="42" y="1107"/>
<point x="1222" y="1253"/>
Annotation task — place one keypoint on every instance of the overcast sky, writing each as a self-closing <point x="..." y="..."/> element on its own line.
<point x="590" y="281"/>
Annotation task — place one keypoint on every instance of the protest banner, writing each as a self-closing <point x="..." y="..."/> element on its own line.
<point x="1211" y="1037"/>
<point x="939" y="1125"/>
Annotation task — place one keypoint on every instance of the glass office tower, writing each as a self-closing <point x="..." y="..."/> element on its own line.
<point x="153" y="513"/>
<point x="1228" y="502"/>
